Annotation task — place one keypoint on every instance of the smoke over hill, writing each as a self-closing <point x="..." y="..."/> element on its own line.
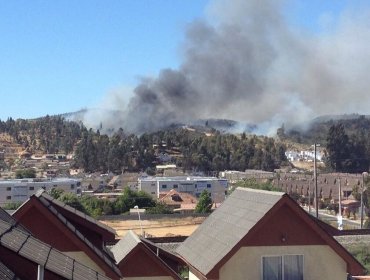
<point x="251" y="65"/>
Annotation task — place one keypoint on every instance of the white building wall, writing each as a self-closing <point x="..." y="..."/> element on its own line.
<point x="20" y="190"/>
<point x="193" y="185"/>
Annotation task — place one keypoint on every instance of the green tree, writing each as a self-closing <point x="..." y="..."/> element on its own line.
<point x="204" y="204"/>
<point x="159" y="208"/>
<point x="337" y="147"/>
<point x="25" y="173"/>
<point x="72" y="200"/>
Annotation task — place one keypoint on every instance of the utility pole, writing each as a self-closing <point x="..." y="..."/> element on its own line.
<point x="340" y="218"/>
<point x="362" y="199"/>
<point x="315" y="178"/>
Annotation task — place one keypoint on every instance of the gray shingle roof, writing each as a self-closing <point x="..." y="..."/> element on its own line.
<point x="6" y="273"/>
<point x="41" y="253"/>
<point x="48" y="201"/>
<point x="5" y="216"/>
<point x="125" y="246"/>
<point x="225" y="227"/>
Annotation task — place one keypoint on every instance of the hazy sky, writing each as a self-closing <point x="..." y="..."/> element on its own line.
<point x="60" y="56"/>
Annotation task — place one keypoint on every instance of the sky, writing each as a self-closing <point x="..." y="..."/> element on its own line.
<point x="62" y="56"/>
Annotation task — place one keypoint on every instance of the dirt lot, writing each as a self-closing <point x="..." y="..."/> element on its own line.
<point x="157" y="228"/>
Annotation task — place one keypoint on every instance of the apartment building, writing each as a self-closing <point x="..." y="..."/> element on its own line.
<point x="191" y="184"/>
<point x="19" y="190"/>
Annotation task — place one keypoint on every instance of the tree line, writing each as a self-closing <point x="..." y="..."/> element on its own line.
<point x="190" y="151"/>
<point x="349" y="153"/>
<point x="50" y="134"/>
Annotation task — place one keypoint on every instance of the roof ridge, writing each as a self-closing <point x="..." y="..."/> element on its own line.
<point x="108" y="260"/>
<point x="37" y="244"/>
<point x="78" y="212"/>
<point x="277" y="193"/>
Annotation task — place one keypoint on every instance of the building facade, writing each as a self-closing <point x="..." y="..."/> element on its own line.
<point x="191" y="184"/>
<point x="19" y="190"/>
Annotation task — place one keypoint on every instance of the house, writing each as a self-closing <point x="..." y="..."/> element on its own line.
<point x="178" y="200"/>
<point x="22" y="256"/>
<point x="137" y="261"/>
<point x="258" y="234"/>
<point x="69" y="231"/>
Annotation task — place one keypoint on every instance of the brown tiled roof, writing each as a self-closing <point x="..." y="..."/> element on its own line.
<point x="184" y="198"/>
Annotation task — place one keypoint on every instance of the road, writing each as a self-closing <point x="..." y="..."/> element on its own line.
<point x="325" y="216"/>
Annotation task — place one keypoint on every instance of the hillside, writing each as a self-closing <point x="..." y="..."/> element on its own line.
<point x="317" y="130"/>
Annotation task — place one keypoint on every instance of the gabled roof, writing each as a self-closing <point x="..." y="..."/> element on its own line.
<point x="92" y="250"/>
<point x="245" y="210"/>
<point x="28" y="247"/>
<point x="89" y="220"/>
<point x="125" y="246"/>
<point x="131" y="243"/>
<point x="184" y="198"/>
<point x="225" y="227"/>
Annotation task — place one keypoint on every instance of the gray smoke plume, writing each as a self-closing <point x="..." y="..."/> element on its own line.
<point x="249" y="64"/>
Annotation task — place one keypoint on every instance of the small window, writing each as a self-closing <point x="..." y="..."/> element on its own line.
<point x="8" y="188"/>
<point x="72" y="187"/>
<point x="32" y="188"/>
<point x="164" y="186"/>
<point x="209" y="186"/>
<point x="152" y="192"/>
<point x="8" y="197"/>
<point x="175" y="186"/>
<point x="196" y="186"/>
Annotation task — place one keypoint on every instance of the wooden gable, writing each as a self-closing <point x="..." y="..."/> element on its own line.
<point x="49" y="228"/>
<point x="142" y="262"/>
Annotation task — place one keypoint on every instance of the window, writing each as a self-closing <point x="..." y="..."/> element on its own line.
<point x="209" y="186"/>
<point x="164" y="186"/>
<point x="72" y="186"/>
<point x="8" y="197"/>
<point x="8" y="188"/>
<point x="175" y="186"/>
<point x="32" y="188"/>
<point x="287" y="267"/>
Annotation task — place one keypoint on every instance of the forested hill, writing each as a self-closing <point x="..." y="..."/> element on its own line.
<point x="187" y="148"/>
<point x="317" y="131"/>
<point x="50" y="134"/>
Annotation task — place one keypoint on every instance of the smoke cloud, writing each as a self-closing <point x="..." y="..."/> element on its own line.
<point x="249" y="64"/>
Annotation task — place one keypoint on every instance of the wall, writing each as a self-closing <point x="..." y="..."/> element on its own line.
<point x="193" y="277"/>
<point x="84" y="259"/>
<point x="320" y="262"/>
